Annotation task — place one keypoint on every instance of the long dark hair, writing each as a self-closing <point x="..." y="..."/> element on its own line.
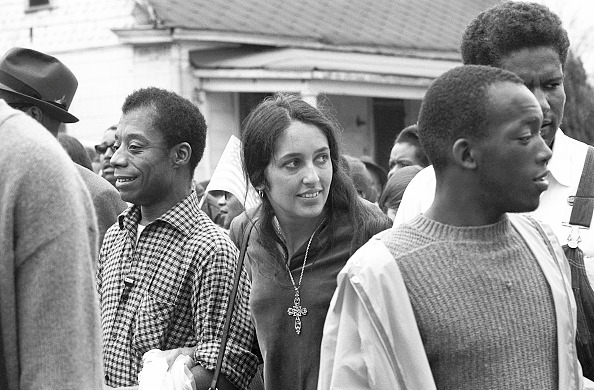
<point x="260" y="133"/>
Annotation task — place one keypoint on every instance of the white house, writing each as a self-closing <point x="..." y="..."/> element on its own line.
<point x="368" y="62"/>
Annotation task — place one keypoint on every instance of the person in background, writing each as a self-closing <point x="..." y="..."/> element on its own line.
<point x="105" y="151"/>
<point x="309" y="222"/>
<point x="407" y="150"/>
<point x="361" y="177"/>
<point x="391" y="196"/>
<point x="229" y="208"/>
<point x="467" y="295"/>
<point x="165" y="270"/>
<point x="75" y="150"/>
<point x="50" y="329"/>
<point x="379" y="176"/>
<point x="96" y="163"/>
<point x="43" y="87"/>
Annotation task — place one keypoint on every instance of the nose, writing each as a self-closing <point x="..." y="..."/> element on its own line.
<point x="222" y="201"/>
<point x="544" y="153"/>
<point x="118" y="158"/>
<point x="311" y="174"/>
<point x="542" y="98"/>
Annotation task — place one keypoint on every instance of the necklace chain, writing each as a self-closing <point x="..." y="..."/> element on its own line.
<point x="297" y="310"/>
<point x="297" y="287"/>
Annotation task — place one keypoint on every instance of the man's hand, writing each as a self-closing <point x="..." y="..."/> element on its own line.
<point x="172" y="354"/>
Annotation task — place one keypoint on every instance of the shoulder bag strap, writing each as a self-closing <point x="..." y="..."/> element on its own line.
<point x="217" y="372"/>
<point x="583" y="202"/>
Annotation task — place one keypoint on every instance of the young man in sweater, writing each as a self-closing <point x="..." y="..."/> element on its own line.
<point x="529" y="40"/>
<point x="465" y="296"/>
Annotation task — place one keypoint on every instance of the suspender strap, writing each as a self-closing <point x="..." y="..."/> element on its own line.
<point x="217" y="372"/>
<point x="583" y="203"/>
<point x="3" y="368"/>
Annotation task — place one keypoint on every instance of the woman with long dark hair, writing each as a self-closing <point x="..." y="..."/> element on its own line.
<point x="309" y="223"/>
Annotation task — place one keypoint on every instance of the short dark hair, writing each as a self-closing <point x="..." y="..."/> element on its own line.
<point x="410" y="135"/>
<point x="456" y="106"/>
<point x="509" y="27"/>
<point x="177" y="118"/>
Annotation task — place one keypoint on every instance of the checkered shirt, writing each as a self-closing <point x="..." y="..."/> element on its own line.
<point x="170" y="290"/>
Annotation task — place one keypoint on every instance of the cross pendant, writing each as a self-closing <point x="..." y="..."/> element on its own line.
<point x="297" y="311"/>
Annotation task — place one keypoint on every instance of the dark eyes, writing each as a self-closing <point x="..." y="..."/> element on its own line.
<point x="295" y="163"/>
<point x="131" y="147"/>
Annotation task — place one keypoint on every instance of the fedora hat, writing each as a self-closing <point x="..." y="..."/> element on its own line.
<point x="30" y="77"/>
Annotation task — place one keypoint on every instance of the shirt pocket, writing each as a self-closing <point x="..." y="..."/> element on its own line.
<point x="151" y="325"/>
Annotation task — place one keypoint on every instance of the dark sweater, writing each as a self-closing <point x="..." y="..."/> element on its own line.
<point x="483" y="306"/>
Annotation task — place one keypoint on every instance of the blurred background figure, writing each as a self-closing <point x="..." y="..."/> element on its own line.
<point x="379" y="176"/>
<point x="391" y="196"/>
<point x="227" y="194"/>
<point x="209" y="201"/>
<point x="360" y="177"/>
<point x="229" y="208"/>
<point x="407" y="150"/>
<point x="75" y="150"/>
<point x="105" y="151"/>
<point x="95" y="161"/>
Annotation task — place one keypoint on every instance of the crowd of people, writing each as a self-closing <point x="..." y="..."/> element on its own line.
<point x="445" y="271"/>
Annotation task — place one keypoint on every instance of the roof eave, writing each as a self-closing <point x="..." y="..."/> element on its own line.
<point x="150" y="34"/>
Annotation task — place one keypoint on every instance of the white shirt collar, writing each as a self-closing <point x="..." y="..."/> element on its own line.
<point x="560" y="165"/>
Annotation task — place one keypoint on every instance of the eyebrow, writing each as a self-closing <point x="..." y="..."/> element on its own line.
<point x="134" y="136"/>
<point x="320" y="150"/>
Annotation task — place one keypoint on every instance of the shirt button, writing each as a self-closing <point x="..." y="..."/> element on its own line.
<point x="355" y="279"/>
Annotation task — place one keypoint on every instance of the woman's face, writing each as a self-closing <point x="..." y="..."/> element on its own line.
<point x="299" y="174"/>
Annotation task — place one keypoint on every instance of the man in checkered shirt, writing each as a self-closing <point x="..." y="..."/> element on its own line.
<point x="165" y="270"/>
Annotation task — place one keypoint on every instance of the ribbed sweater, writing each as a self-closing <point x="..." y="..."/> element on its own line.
<point x="484" y="309"/>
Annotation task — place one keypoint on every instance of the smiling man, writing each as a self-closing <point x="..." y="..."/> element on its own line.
<point x="464" y="296"/>
<point x="165" y="270"/>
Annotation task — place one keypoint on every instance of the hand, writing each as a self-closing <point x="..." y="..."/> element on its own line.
<point x="172" y="354"/>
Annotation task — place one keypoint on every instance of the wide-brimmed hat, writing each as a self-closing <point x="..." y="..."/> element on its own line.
<point x="30" y="77"/>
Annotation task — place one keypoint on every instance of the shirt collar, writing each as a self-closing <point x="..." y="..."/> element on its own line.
<point x="179" y="216"/>
<point x="560" y="163"/>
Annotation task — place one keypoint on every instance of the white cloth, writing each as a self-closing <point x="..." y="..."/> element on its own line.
<point x="565" y="170"/>
<point x="369" y="344"/>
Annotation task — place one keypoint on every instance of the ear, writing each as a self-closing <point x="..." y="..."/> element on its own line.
<point x="463" y="153"/>
<point x="35" y="113"/>
<point x="181" y="154"/>
<point x="262" y="186"/>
